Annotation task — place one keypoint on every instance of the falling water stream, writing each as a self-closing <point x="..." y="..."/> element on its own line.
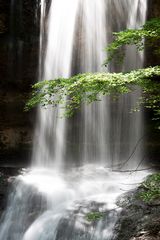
<point x="71" y="173"/>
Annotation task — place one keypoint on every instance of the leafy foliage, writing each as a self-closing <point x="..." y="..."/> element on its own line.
<point x="148" y="34"/>
<point x="151" y="188"/>
<point x="88" y="87"/>
<point x="94" y="216"/>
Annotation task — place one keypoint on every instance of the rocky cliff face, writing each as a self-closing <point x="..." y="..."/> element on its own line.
<point x="138" y="220"/>
<point x="152" y="134"/>
<point x="153" y="12"/>
<point x="19" y="44"/>
<point x="153" y="8"/>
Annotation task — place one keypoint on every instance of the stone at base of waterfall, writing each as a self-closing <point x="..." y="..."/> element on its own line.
<point x="138" y="220"/>
<point x="146" y="236"/>
<point x="6" y="177"/>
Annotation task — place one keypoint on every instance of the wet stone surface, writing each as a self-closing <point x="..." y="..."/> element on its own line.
<point x="138" y="220"/>
<point x="7" y="176"/>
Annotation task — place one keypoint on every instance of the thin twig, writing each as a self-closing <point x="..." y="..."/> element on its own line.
<point x="135" y="148"/>
<point x="139" y="164"/>
<point x="131" y="171"/>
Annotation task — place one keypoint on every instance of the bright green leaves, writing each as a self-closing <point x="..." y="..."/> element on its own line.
<point x="94" y="216"/>
<point x="148" y="35"/>
<point x="151" y="188"/>
<point x="88" y="87"/>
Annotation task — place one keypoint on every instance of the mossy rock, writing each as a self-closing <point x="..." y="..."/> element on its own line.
<point x="94" y="216"/>
<point x="150" y="190"/>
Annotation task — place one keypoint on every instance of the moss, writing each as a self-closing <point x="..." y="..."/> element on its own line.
<point x="94" y="216"/>
<point x="150" y="188"/>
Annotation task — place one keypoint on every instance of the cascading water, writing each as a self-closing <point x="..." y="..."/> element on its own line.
<point x="76" y="44"/>
<point x="49" y="202"/>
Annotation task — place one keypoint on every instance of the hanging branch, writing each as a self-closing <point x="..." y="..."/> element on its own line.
<point x="134" y="150"/>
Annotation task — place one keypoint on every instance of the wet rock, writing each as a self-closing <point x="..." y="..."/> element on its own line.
<point x="22" y="200"/>
<point x="153" y="12"/>
<point x="138" y="219"/>
<point x="19" y="49"/>
<point x="6" y="179"/>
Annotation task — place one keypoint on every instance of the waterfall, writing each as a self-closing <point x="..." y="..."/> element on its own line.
<point x="104" y="131"/>
<point x="72" y="160"/>
<point x="58" y="61"/>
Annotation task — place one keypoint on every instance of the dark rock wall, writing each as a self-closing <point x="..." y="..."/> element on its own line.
<point x="152" y="134"/>
<point x="153" y="8"/>
<point x="153" y="12"/>
<point x="138" y="219"/>
<point x="19" y="46"/>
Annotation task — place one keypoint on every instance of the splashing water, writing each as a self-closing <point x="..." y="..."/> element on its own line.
<point x="48" y="205"/>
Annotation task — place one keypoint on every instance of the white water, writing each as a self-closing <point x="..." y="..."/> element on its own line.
<point x="49" y="202"/>
<point x="48" y="205"/>
<point x="104" y="131"/>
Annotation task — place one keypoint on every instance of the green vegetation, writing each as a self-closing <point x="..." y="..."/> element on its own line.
<point x="94" y="216"/>
<point x="89" y="87"/>
<point x="151" y="188"/>
<point x="147" y="35"/>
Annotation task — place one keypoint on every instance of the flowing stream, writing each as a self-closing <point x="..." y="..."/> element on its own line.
<point x="71" y="173"/>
